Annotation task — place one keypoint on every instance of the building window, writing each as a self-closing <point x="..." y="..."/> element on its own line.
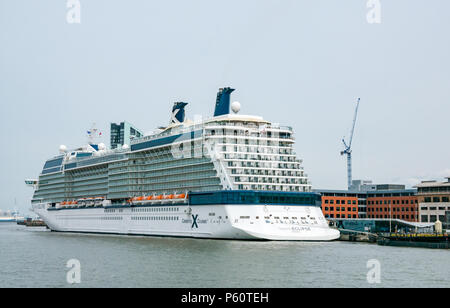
<point x="424" y="218"/>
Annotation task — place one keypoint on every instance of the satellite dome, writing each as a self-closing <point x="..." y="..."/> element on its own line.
<point x="235" y="107"/>
<point x="125" y="146"/>
<point x="101" y="146"/>
<point x="62" y="148"/>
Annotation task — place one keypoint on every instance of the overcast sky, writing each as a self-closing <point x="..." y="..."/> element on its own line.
<point x="294" y="62"/>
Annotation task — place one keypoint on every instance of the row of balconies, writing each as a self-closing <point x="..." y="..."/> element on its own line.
<point x="268" y="173"/>
<point x="265" y="180"/>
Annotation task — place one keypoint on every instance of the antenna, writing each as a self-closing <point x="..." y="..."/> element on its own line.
<point x="348" y="148"/>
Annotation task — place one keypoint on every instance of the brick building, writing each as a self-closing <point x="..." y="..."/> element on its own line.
<point x="382" y="201"/>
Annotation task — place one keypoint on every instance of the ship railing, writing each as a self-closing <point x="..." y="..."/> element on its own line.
<point x="201" y="125"/>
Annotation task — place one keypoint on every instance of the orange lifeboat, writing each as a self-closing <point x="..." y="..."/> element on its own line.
<point x="180" y="196"/>
<point x="159" y="197"/>
<point x="149" y="198"/>
<point x="166" y="197"/>
<point x="140" y="198"/>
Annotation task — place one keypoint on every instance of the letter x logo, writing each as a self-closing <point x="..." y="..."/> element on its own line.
<point x="194" y="224"/>
<point x="174" y="116"/>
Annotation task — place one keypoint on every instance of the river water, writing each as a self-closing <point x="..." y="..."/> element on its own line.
<point x="36" y="257"/>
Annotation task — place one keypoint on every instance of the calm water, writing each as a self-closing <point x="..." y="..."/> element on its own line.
<point x="36" y="257"/>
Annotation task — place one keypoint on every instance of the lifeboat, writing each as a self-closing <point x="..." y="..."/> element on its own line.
<point x="89" y="202"/>
<point x="180" y="196"/>
<point x="159" y="197"/>
<point x="149" y="198"/>
<point x="140" y="198"/>
<point x="98" y="201"/>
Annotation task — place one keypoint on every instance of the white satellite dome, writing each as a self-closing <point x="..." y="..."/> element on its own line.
<point x="62" y="148"/>
<point x="235" y="107"/>
<point x="125" y="146"/>
<point x="101" y="146"/>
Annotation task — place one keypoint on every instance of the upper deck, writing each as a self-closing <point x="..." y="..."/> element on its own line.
<point x="227" y="151"/>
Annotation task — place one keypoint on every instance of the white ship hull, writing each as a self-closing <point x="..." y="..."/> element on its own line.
<point x="245" y="222"/>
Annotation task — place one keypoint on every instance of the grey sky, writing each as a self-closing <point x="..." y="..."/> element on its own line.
<point x="299" y="63"/>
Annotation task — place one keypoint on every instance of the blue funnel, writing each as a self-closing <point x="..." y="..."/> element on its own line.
<point x="223" y="102"/>
<point x="178" y="112"/>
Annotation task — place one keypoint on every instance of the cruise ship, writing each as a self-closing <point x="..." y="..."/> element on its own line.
<point x="229" y="176"/>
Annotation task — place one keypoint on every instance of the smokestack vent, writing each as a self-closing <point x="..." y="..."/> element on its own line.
<point x="223" y="102"/>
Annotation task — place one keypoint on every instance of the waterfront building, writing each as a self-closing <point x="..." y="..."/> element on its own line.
<point x="375" y="201"/>
<point x="393" y="204"/>
<point x="343" y="204"/>
<point x="434" y="200"/>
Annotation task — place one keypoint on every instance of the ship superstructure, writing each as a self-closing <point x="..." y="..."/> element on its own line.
<point x="229" y="176"/>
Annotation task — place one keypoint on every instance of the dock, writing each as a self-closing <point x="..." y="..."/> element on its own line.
<point x="435" y="241"/>
<point x="357" y="236"/>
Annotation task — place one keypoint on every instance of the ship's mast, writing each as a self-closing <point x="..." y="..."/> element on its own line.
<point x="92" y="134"/>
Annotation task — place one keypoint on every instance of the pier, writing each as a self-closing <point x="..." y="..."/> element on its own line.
<point x="357" y="236"/>
<point x="427" y="240"/>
